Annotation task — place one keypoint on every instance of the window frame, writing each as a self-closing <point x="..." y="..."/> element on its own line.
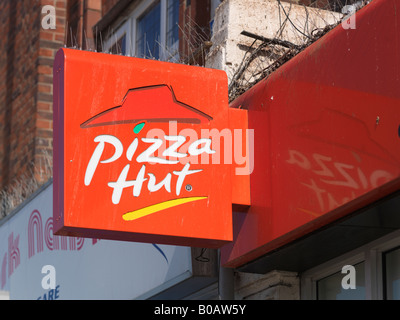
<point x="371" y="254"/>
<point x="129" y="26"/>
<point x="122" y="30"/>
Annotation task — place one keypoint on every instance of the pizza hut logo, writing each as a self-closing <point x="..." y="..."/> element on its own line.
<point x="141" y="107"/>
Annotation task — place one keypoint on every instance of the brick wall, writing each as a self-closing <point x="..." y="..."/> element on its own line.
<point x="50" y="41"/>
<point x="26" y="61"/>
<point x="26" y="84"/>
<point x="20" y="25"/>
<point x="107" y="5"/>
<point x="82" y="16"/>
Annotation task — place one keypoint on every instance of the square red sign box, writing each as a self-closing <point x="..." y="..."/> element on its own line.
<point x="134" y="156"/>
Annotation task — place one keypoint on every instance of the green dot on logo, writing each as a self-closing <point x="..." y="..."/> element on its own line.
<point x="138" y="127"/>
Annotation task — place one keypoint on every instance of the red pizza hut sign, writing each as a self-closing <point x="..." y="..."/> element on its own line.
<point x="145" y="150"/>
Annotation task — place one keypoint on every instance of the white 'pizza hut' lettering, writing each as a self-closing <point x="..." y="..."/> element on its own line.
<point x="147" y="156"/>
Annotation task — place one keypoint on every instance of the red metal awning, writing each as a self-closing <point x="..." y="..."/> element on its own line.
<point x="327" y="134"/>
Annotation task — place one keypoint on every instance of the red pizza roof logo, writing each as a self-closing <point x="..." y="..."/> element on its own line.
<point x="152" y="104"/>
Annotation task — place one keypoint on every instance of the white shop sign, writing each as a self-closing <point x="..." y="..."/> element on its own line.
<point x="84" y="268"/>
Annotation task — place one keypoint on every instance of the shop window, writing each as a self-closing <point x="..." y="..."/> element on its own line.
<point x="333" y="288"/>
<point x="118" y="42"/>
<point x="119" y="47"/>
<point x="391" y="274"/>
<point x="150" y="31"/>
<point x="172" y="50"/>
<point x="377" y="273"/>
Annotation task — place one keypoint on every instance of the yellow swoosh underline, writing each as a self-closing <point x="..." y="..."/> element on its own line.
<point x="129" y="216"/>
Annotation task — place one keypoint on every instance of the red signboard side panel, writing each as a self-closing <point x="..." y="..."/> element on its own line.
<point x="242" y="149"/>
<point x="58" y="140"/>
